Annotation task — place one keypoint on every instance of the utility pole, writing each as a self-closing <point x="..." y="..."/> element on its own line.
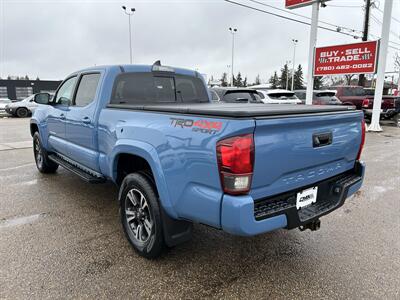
<point x="361" y="77"/>
<point x="232" y="31"/>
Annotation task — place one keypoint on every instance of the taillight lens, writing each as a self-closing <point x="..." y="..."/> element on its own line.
<point x="235" y="162"/>
<point x="362" y="139"/>
<point x="365" y="103"/>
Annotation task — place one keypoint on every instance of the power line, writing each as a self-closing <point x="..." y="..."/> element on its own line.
<point x="288" y="18"/>
<point x="302" y="16"/>
<point x="380" y="23"/>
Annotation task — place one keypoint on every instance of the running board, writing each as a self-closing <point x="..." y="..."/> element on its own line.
<point x="74" y="168"/>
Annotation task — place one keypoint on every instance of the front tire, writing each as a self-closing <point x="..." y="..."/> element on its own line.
<point x="140" y="215"/>
<point x="43" y="163"/>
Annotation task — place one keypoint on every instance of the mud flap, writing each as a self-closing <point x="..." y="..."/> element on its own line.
<point x="175" y="231"/>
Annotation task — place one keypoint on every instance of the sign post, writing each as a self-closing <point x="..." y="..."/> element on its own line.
<point x="376" y="111"/>
<point x="313" y="42"/>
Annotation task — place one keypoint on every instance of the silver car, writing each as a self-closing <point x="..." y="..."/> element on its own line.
<point x="23" y="108"/>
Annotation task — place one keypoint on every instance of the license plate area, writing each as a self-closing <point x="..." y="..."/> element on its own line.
<point x="306" y="197"/>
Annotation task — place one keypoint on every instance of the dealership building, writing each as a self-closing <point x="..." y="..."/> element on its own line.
<point x="18" y="89"/>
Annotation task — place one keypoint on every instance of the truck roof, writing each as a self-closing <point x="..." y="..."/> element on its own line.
<point x="137" y="68"/>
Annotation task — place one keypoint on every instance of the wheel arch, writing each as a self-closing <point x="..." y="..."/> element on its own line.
<point x="140" y="157"/>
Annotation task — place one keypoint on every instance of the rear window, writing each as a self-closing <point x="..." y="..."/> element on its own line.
<point x="245" y="97"/>
<point x="282" y="96"/>
<point x="325" y="94"/>
<point x="301" y="95"/>
<point x="353" y="91"/>
<point x="143" y="88"/>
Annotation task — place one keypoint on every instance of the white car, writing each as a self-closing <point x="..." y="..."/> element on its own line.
<point x="22" y="108"/>
<point x="3" y="103"/>
<point x="278" y="96"/>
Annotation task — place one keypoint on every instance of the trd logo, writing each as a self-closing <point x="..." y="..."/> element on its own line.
<point x="202" y="126"/>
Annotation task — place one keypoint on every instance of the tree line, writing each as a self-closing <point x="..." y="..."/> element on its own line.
<point x="283" y="80"/>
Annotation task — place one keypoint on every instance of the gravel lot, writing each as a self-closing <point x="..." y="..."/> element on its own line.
<point x="61" y="238"/>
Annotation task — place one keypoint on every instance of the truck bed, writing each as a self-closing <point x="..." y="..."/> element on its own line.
<point x="236" y="110"/>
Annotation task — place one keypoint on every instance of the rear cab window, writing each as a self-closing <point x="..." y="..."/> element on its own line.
<point x="146" y="88"/>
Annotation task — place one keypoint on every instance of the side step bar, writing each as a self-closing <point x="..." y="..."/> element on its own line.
<point x="80" y="171"/>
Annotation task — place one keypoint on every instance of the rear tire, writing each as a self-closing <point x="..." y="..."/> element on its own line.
<point x="141" y="216"/>
<point x="22" y="112"/>
<point x="43" y="163"/>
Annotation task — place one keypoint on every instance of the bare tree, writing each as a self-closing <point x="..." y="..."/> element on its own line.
<point x="349" y="77"/>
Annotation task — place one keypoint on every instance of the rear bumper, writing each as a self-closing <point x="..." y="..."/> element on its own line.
<point x="245" y="216"/>
<point x="385" y="113"/>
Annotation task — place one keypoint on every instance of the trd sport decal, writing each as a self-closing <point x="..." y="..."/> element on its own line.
<point x="202" y="126"/>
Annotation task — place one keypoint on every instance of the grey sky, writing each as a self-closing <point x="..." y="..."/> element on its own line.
<point x="50" y="39"/>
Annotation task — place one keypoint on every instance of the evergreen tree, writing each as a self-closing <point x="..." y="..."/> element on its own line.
<point x="8" y="77"/>
<point x="258" y="81"/>
<point x="283" y="79"/>
<point x="239" y="80"/>
<point x="245" y="82"/>
<point x="274" y="80"/>
<point x="37" y="78"/>
<point x="224" y="79"/>
<point x="26" y="77"/>
<point x="318" y="82"/>
<point x="298" y="78"/>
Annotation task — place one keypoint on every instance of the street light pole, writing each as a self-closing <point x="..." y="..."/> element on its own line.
<point x="232" y="31"/>
<point x="287" y="75"/>
<point x="294" y="58"/>
<point x="129" y="13"/>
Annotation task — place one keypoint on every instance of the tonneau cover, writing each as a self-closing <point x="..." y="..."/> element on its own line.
<point x="235" y="110"/>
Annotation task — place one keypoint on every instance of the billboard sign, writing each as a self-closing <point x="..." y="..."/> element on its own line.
<point x="357" y="58"/>
<point x="290" y="4"/>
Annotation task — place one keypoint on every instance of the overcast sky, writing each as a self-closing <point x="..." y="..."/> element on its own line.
<point x="51" y="39"/>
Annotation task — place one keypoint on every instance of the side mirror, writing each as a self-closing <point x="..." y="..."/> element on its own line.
<point x="42" y="98"/>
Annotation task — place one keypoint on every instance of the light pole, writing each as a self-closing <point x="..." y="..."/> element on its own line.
<point x="232" y="31"/>
<point x="294" y="58"/>
<point x="129" y="13"/>
<point x="287" y="74"/>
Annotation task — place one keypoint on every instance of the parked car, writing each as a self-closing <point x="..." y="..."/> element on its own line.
<point x="234" y="95"/>
<point x="23" y="108"/>
<point x="3" y="103"/>
<point x="179" y="159"/>
<point x="390" y="108"/>
<point x="350" y="95"/>
<point x="320" y="97"/>
<point x="277" y="96"/>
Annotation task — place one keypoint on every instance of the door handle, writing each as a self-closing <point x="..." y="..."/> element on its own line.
<point x="62" y="117"/>
<point x="322" y="139"/>
<point x="86" y="120"/>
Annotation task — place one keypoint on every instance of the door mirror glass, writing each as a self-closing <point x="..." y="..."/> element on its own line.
<point x="42" y="98"/>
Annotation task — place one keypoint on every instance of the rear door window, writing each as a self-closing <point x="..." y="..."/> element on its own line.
<point x="144" y="88"/>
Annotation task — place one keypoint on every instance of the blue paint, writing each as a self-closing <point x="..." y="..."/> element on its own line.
<point x="184" y="162"/>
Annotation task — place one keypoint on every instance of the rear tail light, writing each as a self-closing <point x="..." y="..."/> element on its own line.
<point x="365" y="103"/>
<point x="235" y="162"/>
<point x="362" y="139"/>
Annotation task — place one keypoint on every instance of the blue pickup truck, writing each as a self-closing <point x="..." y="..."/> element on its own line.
<point x="180" y="159"/>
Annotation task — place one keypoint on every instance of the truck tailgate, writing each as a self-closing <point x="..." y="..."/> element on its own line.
<point x="298" y="151"/>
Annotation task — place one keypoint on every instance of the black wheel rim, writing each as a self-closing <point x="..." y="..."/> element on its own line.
<point x="138" y="216"/>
